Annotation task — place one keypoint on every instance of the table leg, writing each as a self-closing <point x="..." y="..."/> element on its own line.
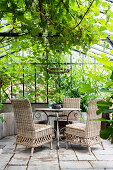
<point x="57" y="132"/>
<point x="68" y="116"/>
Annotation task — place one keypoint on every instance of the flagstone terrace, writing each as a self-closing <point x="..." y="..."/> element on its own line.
<point x="76" y="157"/>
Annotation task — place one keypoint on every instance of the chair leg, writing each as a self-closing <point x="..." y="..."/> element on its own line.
<point x="102" y="146"/>
<point x="89" y="149"/>
<point x="51" y="145"/>
<point x="66" y="145"/>
<point x="15" y="148"/>
<point x="32" y="150"/>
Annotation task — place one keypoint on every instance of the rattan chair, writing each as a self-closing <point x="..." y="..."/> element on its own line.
<point x="73" y="116"/>
<point x="85" y="134"/>
<point x="29" y="134"/>
<point x="72" y="103"/>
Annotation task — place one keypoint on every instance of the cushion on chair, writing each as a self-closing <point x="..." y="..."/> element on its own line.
<point x="41" y="127"/>
<point x="77" y="126"/>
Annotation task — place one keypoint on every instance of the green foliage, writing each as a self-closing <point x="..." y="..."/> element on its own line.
<point x="1" y="106"/>
<point x="48" y="30"/>
<point x="104" y="107"/>
<point x="2" y="119"/>
<point x="59" y="24"/>
<point x="107" y="132"/>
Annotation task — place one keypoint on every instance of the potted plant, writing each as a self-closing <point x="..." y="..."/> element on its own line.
<point x="57" y="102"/>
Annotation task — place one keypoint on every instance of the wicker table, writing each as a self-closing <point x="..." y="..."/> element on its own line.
<point x="57" y="113"/>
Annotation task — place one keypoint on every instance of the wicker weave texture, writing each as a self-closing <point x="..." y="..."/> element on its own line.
<point x="23" y="114"/>
<point x="93" y="127"/>
<point x="72" y="103"/>
<point x="28" y="133"/>
<point x="88" y="134"/>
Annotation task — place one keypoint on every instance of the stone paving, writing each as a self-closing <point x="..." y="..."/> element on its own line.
<point x="75" y="158"/>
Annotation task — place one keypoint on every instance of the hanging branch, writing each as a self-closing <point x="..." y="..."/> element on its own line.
<point x="42" y="16"/>
<point x="71" y="15"/>
<point x="40" y="6"/>
<point x="41" y="13"/>
<point x="69" y="11"/>
<point x="85" y="13"/>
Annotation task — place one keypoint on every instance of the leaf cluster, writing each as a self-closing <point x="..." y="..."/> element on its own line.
<point x="59" y="24"/>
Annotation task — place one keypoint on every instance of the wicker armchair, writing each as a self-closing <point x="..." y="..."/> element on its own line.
<point x="85" y="134"/>
<point x="72" y="103"/>
<point x="29" y="134"/>
<point x="73" y="116"/>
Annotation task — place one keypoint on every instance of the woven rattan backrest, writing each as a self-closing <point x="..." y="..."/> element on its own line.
<point x="93" y="127"/>
<point x="71" y="103"/>
<point x="23" y="115"/>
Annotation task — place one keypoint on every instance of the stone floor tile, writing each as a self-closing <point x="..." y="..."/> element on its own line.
<point x="83" y="156"/>
<point x="63" y="144"/>
<point x="10" y="144"/>
<point x="45" y="155"/>
<point x="36" y="161"/>
<point x="63" y="157"/>
<point x="7" y="151"/>
<point x="43" y="149"/>
<point x="96" y="147"/>
<point x="44" y="167"/>
<point x="23" y="150"/>
<point x="105" y="157"/>
<point x="67" y="152"/>
<point x="103" y="152"/>
<point x="8" y="139"/>
<point x="80" y="169"/>
<point x="46" y="159"/>
<point x="19" y="159"/>
<point x="15" y="168"/>
<point x="6" y="144"/>
<point x="5" y="157"/>
<point x="79" y="148"/>
<point x="2" y="146"/>
<point x="107" y="143"/>
<point x="82" y="153"/>
<point x="102" y="164"/>
<point x="3" y="165"/>
<point x="44" y="164"/>
<point x="75" y="164"/>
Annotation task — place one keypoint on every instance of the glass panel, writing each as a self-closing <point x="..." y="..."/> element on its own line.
<point x="41" y="84"/>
